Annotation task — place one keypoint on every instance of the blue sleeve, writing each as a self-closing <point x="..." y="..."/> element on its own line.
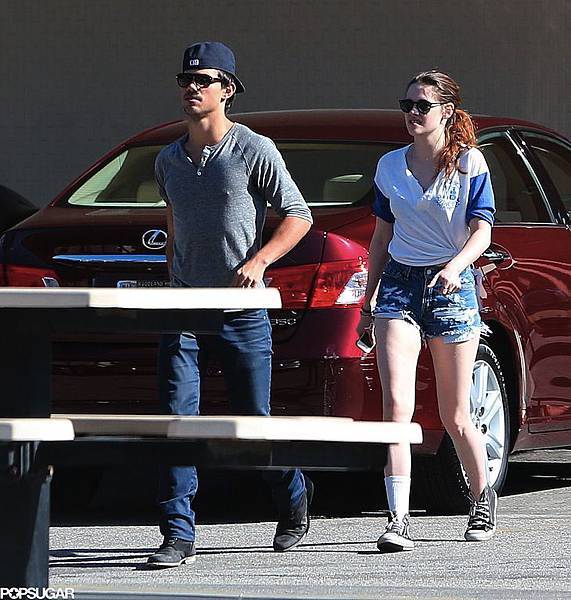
<point x="382" y="206"/>
<point x="481" y="199"/>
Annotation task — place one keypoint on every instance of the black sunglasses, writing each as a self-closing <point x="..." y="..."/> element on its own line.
<point x="200" y="80"/>
<point x="423" y="106"/>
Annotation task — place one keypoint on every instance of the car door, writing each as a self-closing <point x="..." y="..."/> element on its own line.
<point x="530" y="256"/>
<point x="551" y="159"/>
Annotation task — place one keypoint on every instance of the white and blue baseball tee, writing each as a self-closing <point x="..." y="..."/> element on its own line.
<point x="431" y="227"/>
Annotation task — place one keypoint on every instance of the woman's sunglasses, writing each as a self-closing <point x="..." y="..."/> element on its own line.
<point x="423" y="106"/>
<point x="200" y="80"/>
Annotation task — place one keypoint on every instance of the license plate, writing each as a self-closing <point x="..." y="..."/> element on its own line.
<point x="142" y="283"/>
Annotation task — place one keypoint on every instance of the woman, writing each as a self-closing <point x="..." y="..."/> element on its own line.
<point x="434" y="206"/>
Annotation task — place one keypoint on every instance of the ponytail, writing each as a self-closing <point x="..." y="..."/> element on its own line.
<point x="460" y="131"/>
<point x="460" y="134"/>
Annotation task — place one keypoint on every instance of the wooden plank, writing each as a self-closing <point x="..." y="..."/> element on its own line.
<point x="119" y="425"/>
<point x="335" y="429"/>
<point x="36" y="430"/>
<point x="160" y="425"/>
<point x="141" y="298"/>
<point x="321" y="429"/>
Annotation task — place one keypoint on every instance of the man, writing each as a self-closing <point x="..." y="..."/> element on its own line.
<point x="217" y="181"/>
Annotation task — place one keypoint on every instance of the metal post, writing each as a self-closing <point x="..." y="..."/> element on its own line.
<point x="24" y="517"/>
<point x="25" y="372"/>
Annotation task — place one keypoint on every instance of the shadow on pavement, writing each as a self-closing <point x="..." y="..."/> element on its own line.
<point x="524" y="477"/>
<point x="116" y="497"/>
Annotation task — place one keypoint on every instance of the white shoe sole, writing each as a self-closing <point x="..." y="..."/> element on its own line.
<point x="479" y="536"/>
<point x="187" y="560"/>
<point x="391" y="542"/>
<point x="483" y="536"/>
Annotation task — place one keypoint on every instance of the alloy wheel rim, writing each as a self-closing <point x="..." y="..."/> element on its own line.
<point x="488" y="414"/>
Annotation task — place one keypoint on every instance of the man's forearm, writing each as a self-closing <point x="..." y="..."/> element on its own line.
<point x="287" y="235"/>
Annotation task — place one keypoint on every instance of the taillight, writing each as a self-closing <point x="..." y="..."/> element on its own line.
<point x="19" y="276"/>
<point x="340" y="284"/>
<point x="335" y="284"/>
<point x="294" y="284"/>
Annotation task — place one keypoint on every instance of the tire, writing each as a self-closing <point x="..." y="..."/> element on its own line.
<point x="440" y="480"/>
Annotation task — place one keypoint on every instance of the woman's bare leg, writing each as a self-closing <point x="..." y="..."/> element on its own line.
<point x="453" y="366"/>
<point x="398" y="348"/>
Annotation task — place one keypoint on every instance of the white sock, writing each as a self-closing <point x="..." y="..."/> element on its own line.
<point x="398" y="493"/>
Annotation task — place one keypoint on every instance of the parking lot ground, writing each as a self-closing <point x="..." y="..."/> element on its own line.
<point x="530" y="557"/>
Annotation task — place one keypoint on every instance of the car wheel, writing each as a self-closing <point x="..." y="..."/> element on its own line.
<point x="442" y="482"/>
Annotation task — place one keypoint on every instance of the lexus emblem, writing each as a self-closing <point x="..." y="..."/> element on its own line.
<point x="155" y="239"/>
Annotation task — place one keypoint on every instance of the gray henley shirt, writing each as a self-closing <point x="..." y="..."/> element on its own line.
<point x="219" y="206"/>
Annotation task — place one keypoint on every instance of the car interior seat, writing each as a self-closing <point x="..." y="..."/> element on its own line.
<point x="148" y="192"/>
<point x="346" y="189"/>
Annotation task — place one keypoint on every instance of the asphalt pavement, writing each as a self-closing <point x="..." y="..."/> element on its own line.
<point x="530" y="556"/>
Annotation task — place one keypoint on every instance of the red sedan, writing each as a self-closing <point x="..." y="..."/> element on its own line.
<point x="108" y="229"/>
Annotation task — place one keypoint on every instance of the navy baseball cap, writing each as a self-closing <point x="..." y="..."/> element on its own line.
<point x="211" y="55"/>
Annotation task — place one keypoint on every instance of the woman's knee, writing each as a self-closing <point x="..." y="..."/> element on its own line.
<point x="400" y="412"/>
<point x="457" y="425"/>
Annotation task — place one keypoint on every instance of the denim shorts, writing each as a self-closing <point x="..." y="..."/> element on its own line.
<point x="403" y="294"/>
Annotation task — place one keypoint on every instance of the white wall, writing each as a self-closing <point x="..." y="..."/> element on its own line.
<point x="78" y="76"/>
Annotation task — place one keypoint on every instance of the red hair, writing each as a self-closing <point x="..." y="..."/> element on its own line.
<point x="460" y="130"/>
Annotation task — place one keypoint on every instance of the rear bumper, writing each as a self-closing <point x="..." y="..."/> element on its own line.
<point x="121" y="379"/>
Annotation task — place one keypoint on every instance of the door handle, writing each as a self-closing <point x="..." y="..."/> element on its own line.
<point x="496" y="256"/>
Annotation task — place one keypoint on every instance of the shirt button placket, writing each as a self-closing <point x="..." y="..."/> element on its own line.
<point x="205" y="154"/>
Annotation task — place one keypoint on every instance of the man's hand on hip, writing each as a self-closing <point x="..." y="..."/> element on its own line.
<point x="285" y="237"/>
<point x="250" y="274"/>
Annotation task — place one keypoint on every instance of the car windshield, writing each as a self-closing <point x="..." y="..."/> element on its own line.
<point x="328" y="174"/>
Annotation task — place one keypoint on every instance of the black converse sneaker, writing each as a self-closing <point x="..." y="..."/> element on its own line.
<point x="482" y="518"/>
<point x="172" y="553"/>
<point x="396" y="536"/>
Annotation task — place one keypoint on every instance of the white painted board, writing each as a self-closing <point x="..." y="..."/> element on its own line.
<point x="141" y="298"/>
<point x="36" y="430"/>
<point x="337" y="429"/>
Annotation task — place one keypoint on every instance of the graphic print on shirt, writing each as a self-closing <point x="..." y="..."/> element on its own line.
<point x="447" y="193"/>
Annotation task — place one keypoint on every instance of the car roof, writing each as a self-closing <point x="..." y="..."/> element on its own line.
<point x="374" y="125"/>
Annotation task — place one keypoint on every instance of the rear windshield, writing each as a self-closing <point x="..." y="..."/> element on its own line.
<point x="328" y="174"/>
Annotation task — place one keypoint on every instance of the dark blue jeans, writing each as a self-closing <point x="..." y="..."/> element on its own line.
<point x="244" y="348"/>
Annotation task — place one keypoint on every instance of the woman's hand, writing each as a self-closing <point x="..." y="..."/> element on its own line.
<point x="479" y="240"/>
<point x="450" y="279"/>
<point x="365" y="322"/>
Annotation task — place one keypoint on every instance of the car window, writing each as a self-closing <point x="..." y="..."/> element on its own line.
<point x="333" y="174"/>
<point x="517" y="197"/>
<point x="328" y="174"/>
<point x="555" y="156"/>
<point x="126" y="180"/>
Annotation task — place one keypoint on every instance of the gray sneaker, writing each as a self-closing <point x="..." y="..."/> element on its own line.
<point x="396" y="536"/>
<point x="482" y="518"/>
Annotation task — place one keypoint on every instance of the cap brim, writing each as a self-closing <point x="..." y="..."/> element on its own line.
<point x="240" y="89"/>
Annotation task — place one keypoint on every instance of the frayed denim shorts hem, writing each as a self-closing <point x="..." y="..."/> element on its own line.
<point x="404" y="294"/>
